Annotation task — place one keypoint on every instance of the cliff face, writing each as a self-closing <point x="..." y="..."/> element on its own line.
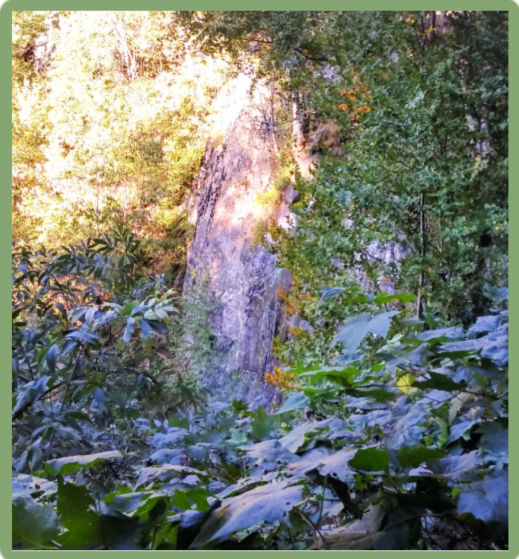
<point x="238" y="166"/>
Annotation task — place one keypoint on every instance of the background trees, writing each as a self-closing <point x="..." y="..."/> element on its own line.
<point x="109" y="125"/>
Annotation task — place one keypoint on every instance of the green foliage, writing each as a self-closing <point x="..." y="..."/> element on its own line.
<point x="405" y="467"/>
<point x="85" y="332"/>
<point x="109" y="125"/>
<point x="394" y="434"/>
<point x="423" y="164"/>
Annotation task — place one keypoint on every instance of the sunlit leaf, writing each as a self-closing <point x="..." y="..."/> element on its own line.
<point x="71" y="464"/>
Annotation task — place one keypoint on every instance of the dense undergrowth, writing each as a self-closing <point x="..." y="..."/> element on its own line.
<point x="400" y="441"/>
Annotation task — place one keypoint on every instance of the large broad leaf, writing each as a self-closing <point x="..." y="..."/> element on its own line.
<point x="411" y="457"/>
<point x="128" y="331"/>
<point x="327" y="292"/>
<point x="267" y="503"/>
<point x="164" y="472"/>
<point x="385" y="525"/>
<point x="484" y="324"/>
<point x="326" y="462"/>
<point x="51" y="357"/>
<point x="493" y="346"/>
<point x="29" y="393"/>
<point x="172" y="437"/>
<point x="124" y="500"/>
<point x="26" y="486"/>
<point x="270" y="451"/>
<point x="294" y="401"/>
<point x="345" y="376"/>
<point x="83" y="335"/>
<point x="439" y="382"/>
<point x="486" y="499"/>
<point x="75" y="508"/>
<point x="384" y="298"/>
<point x="352" y="332"/>
<point x="337" y="466"/>
<point x="262" y="424"/>
<point x="463" y="467"/>
<point x="408" y="426"/>
<point x="494" y="440"/>
<point x="439" y="334"/>
<point x="34" y="525"/>
<point x="370" y="460"/>
<point x="295" y="439"/>
<point x="71" y="464"/>
<point x="459" y="430"/>
<point x="308" y="461"/>
<point x="145" y="329"/>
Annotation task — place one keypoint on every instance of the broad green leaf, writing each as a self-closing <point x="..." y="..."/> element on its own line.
<point x="460" y="429"/>
<point x="270" y="451"/>
<point x="439" y="382"/>
<point x="411" y="457"/>
<point x="262" y="424"/>
<point x="164" y="472"/>
<point x="150" y="315"/>
<point x="199" y="496"/>
<point x="295" y="438"/>
<point x="267" y="503"/>
<point x="29" y="393"/>
<point x="34" y="525"/>
<point x="440" y="334"/>
<point x="294" y="401"/>
<point x="462" y="467"/>
<point x="344" y="377"/>
<point x="181" y="500"/>
<point x="352" y="332"/>
<point x="127" y="309"/>
<point x="75" y="508"/>
<point x="370" y="460"/>
<point x="128" y="331"/>
<point x="89" y="315"/>
<point x="70" y="464"/>
<point x="485" y="324"/>
<point x="329" y="292"/>
<point x="384" y="298"/>
<point x="145" y="329"/>
<point x="83" y="335"/>
<point x="380" y="323"/>
<point x="121" y="532"/>
<point x="125" y="502"/>
<point x="486" y="499"/>
<point x="26" y="485"/>
<point x="494" y="440"/>
<point x="336" y="465"/>
<point x="51" y="357"/>
<point x="157" y="326"/>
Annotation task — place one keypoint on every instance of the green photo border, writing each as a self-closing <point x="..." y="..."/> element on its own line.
<point x="5" y="224"/>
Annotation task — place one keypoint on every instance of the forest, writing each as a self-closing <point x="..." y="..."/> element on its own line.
<point x="259" y="280"/>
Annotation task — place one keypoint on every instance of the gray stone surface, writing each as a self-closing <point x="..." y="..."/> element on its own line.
<point x="239" y="274"/>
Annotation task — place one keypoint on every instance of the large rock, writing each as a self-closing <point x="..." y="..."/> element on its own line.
<point x="238" y="166"/>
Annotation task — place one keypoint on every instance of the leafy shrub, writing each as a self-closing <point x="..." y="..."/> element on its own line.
<point x="359" y="461"/>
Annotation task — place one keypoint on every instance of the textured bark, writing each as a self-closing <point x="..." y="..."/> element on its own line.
<point x="241" y="276"/>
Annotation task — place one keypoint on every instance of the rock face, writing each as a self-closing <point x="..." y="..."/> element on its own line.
<point x="240" y="275"/>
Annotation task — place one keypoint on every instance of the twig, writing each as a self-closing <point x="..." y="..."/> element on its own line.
<point x="315" y="529"/>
